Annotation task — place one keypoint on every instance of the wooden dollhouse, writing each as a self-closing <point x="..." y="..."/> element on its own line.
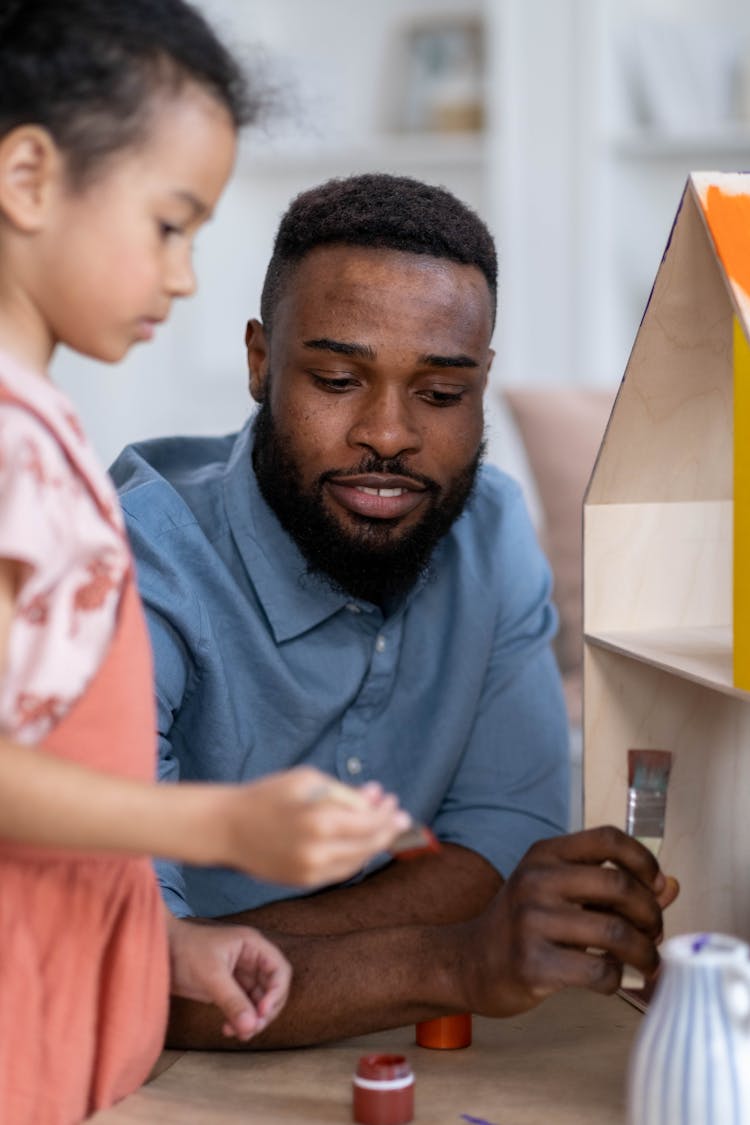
<point x="667" y="562"/>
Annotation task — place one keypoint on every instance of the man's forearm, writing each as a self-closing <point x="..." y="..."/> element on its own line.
<point x="427" y="890"/>
<point x="376" y="955"/>
<point x="343" y="985"/>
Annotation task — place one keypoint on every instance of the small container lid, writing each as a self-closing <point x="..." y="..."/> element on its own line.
<point x="383" y="1068"/>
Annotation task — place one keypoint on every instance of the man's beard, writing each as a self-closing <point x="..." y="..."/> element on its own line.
<point x="372" y="561"/>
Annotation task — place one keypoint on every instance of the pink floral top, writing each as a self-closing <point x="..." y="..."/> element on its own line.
<point x="73" y="548"/>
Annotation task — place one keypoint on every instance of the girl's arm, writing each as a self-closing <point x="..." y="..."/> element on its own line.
<point x="279" y="828"/>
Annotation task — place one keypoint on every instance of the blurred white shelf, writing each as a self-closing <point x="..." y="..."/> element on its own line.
<point x="653" y="144"/>
<point x="422" y="150"/>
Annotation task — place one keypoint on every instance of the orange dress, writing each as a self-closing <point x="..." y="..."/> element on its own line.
<point x="83" y="951"/>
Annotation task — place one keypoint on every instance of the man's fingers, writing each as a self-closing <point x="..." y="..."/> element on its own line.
<point x="595" y="846"/>
<point x="670" y="892"/>
<point x="557" y="931"/>
<point x="553" y="967"/>
<point x="577" y="969"/>
<point x="606" y="888"/>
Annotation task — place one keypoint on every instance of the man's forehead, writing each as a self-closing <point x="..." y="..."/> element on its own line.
<point x="354" y="260"/>
<point x="361" y="280"/>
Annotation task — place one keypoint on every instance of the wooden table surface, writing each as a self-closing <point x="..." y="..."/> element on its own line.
<point x="562" y="1064"/>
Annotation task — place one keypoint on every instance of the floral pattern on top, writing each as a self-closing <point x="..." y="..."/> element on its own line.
<point x="60" y="520"/>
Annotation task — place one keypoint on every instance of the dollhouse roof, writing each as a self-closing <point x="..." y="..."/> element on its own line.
<point x="724" y="201"/>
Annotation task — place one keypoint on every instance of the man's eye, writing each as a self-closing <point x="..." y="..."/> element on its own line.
<point x="336" y="385"/>
<point x="443" y="398"/>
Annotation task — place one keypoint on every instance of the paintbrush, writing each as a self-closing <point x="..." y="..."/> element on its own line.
<point x="415" y="840"/>
<point x="648" y="777"/>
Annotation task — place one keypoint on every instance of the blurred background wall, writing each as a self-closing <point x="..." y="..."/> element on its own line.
<point x="570" y="125"/>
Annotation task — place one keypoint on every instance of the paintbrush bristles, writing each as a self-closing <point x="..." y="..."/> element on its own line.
<point x="649" y="769"/>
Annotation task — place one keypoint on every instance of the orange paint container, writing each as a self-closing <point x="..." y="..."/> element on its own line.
<point x="383" y="1091"/>
<point x="445" y="1033"/>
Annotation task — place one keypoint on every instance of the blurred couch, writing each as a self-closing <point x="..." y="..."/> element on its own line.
<point x="561" y="429"/>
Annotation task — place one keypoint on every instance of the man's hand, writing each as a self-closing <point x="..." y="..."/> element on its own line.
<point x="232" y="967"/>
<point x="572" y="913"/>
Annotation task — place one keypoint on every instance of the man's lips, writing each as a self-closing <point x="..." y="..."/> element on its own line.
<point x="377" y="496"/>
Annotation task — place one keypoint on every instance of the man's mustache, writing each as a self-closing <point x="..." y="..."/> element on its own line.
<point x="393" y="466"/>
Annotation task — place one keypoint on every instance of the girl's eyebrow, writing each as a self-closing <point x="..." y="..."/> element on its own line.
<point x="199" y="208"/>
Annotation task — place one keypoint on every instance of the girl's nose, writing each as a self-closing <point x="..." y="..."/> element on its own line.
<point x="181" y="280"/>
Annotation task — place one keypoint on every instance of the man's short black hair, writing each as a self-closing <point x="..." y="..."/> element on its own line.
<point x="379" y="210"/>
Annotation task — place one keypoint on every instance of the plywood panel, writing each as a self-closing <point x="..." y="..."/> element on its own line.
<point x="657" y="565"/>
<point x="707" y="842"/>
<point x="670" y="436"/>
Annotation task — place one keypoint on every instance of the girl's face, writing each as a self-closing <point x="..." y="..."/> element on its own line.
<point x="115" y="254"/>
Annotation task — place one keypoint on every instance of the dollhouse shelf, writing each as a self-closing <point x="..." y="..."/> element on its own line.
<point x="703" y="655"/>
<point x="667" y="562"/>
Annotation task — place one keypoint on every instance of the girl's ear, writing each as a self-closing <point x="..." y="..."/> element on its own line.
<point x="30" y="165"/>
<point x="256" y="343"/>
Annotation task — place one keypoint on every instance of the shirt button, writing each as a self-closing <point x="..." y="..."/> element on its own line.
<point x="353" y="765"/>
<point x="352" y="607"/>
<point x="380" y="643"/>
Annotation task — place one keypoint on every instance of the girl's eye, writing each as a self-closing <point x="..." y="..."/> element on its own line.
<point x="168" y="229"/>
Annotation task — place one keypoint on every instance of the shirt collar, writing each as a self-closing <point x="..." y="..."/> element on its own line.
<point x="294" y="601"/>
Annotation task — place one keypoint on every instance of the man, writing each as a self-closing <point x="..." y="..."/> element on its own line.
<point x="343" y="584"/>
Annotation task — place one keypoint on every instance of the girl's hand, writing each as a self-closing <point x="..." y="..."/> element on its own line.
<point x="233" y="967"/>
<point x="304" y="828"/>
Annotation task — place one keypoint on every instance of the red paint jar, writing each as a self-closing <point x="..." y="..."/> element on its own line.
<point x="383" y="1090"/>
<point x="445" y="1033"/>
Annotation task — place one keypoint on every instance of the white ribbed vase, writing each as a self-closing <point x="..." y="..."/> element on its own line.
<point x="690" y="1063"/>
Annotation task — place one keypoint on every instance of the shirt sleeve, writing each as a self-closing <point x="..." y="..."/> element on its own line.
<point x="167" y="607"/>
<point x="33" y="521"/>
<point x="512" y="786"/>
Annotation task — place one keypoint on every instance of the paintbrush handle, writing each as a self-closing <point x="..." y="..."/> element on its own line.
<point x="339" y="793"/>
<point x="414" y="840"/>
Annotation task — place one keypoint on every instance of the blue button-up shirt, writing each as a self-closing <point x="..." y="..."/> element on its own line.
<point x="453" y="700"/>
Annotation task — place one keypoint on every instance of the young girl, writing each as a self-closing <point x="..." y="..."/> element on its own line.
<point x="117" y="134"/>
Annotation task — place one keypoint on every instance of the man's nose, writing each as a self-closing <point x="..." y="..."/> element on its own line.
<point x="386" y="424"/>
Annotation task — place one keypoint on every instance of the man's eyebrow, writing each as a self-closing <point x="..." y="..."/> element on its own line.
<point x="341" y="347"/>
<point x="448" y="361"/>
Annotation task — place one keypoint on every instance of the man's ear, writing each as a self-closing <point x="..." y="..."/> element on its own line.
<point x="30" y="166"/>
<point x="256" y="343"/>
